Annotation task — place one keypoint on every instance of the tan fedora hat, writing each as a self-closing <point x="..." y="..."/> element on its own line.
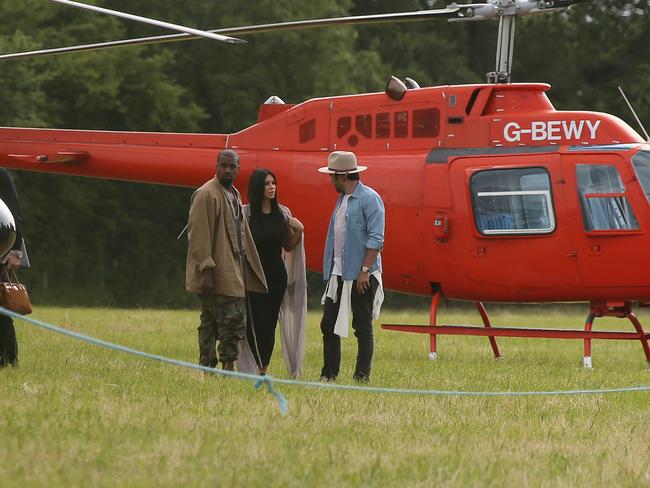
<point x="341" y="162"/>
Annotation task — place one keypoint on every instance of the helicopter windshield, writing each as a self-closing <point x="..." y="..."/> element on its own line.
<point x="604" y="202"/>
<point x="641" y="163"/>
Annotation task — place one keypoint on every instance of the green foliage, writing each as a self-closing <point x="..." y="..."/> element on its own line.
<point x="22" y="99"/>
<point x="297" y="65"/>
<point x="105" y="243"/>
<point x="432" y="52"/>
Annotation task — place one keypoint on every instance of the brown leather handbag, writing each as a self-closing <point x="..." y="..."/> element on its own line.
<point x="13" y="294"/>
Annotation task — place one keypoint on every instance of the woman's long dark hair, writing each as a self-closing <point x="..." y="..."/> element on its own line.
<point x="255" y="199"/>
<point x="256" y="191"/>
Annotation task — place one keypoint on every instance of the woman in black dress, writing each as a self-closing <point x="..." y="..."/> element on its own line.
<point x="273" y="230"/>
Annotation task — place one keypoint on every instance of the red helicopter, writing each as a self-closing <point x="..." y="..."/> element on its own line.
<point x="500" y="196"/>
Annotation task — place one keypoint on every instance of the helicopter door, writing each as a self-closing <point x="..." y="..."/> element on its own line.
<point x="517" y="240"/>
<point x="610" y="241"/>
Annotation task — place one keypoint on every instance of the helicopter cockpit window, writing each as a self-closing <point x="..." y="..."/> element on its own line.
<point x="603" y="200"/>
<point x="426" y="122"/>
<point x="641" y="163"/>
<point x="307" y="131"/>
<point x="512" y="201"/>
<point x="363" y="124"/>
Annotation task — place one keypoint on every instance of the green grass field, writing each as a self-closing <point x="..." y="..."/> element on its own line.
<point x="75" y="414"/>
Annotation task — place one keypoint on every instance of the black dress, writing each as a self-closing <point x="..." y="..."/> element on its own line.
<point x="269" y="231"/>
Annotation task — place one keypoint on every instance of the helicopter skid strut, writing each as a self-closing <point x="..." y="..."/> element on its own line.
<point x="598" y="309"/>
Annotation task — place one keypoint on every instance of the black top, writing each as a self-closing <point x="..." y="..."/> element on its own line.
<point x="268" y="233"/>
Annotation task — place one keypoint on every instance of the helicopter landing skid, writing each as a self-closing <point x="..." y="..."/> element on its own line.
<point x="598" y="309"/>
<point x="621" y="310"/>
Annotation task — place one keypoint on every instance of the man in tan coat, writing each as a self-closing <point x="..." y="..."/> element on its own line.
<point x="222" y="263"/>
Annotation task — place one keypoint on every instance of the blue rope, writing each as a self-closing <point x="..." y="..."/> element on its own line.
<point x="282" y="402"/>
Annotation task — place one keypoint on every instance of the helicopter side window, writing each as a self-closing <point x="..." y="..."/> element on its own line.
<point x="401" y="124"/>
<point x="512" y="201"/>
<point x="307" y="131"/>
<point x="426" y="122"/>
<point x="603" y="200"/>
<point x="343" y="126"/>
<point x="382" y="125"/>
<point x="363" y="124"/>
<point x="641" y="163"/>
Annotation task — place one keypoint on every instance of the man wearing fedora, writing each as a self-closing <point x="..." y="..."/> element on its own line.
<point x="351" y="266"/>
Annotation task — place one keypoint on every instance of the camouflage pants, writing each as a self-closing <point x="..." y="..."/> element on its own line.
<point x="223" y="319"/>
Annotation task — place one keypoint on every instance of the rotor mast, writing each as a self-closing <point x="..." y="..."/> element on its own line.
<point x="507" y="12"/>
<point x="505" y="46"/>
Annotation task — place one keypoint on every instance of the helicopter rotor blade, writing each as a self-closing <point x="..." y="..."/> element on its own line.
<point x="254" y="29"/>
<point x="158" y="23"/>
<point x="453" y="12"/>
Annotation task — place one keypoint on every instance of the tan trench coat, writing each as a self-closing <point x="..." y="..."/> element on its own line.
<point x="212" y="237"/>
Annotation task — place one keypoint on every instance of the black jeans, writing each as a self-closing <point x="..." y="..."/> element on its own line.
<point x="362" y="325"/>
<point x="8" y="342"/>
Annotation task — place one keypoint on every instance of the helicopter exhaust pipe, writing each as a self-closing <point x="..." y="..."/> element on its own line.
<point x="411" y="84"/>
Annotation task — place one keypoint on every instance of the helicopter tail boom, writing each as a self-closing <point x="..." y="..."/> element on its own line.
<point x="164" y="158"/>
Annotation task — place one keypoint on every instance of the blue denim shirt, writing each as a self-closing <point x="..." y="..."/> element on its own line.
<point x="365" y="220"/>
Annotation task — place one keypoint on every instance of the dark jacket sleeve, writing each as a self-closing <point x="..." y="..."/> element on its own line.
<point x="9" y="195"/>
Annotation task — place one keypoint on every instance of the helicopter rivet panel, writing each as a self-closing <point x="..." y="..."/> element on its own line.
<point x="520" y="100"/>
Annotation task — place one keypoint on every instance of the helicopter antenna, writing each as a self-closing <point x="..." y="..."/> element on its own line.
<point x="159" y="23"/>
<point x="638" y="121"/>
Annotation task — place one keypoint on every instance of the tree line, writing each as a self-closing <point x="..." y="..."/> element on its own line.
<point x="96" y="242"/>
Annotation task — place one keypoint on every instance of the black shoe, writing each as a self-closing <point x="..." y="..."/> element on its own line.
<point x="361" y="378"/>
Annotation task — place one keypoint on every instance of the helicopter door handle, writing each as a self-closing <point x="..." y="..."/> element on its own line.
<point x="572" y="254"/>
<point x="441" y="228"/>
